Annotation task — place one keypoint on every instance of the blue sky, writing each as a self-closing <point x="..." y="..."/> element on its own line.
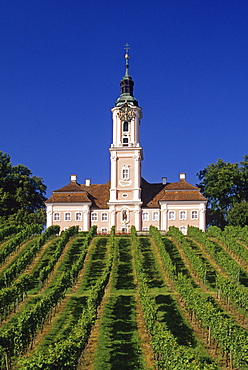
<point x="61" y="63"/>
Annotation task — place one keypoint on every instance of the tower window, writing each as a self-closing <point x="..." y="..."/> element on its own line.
<point x="125" y="126"/>
<point x="125" y="141"/>
<point x="125" y="173"/>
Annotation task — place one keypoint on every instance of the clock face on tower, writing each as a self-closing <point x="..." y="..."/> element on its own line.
<point x="126" y="113"/>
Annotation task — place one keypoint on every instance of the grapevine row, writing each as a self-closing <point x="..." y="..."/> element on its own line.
<point x="169" y="355"/>
<point x="13" y="244"/>
<point x="64" y="355"/>
<point x="231" y="337"/>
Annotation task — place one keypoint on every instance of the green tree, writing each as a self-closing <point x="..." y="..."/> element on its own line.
<point x="223" y="184"/>
<point x="22" y="195"/>
<point x="238" y="215"/>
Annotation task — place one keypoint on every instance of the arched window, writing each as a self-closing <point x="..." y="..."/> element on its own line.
<point x="171" y="215"/>
<point x="78" y="216"/>
<point x="182" y="215"/>
<point x="125" y="173"/>
<point x="94" y="216"/>
<point x="155" y="216"/>
<point x="124" y="215"/>
<point x="67" y="216"/>
<point x="194" y="215"/>
<point x="56" y="216"/>
<point x="145" y="216"/>
<point x="104" y="216"/>
<point x="183" y="230"/>
<point x="125" y="126"/>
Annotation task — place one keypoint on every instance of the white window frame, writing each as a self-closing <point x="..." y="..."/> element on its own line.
<point x="183" y="215"/>
<point x="94" y="217"/>
<point x="155" y="216"/>
<point x="145" y="228"/>
<point x="67" y="216"/>
<point x="104" y="230"/>
<point x="78" y="216"/>
<point x="145" y="216"/>
<point x="194" y="215"/>
<point x="171" y="215"/>
<point x="104" y="217"/>
<point x="56" y="216"/>
<point x="183" y="230"/>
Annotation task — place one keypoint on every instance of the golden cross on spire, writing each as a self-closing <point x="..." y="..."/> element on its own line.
<point x="127" y="47"/>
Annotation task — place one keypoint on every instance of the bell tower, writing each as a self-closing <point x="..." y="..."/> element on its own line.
<point x="125" y="157"/>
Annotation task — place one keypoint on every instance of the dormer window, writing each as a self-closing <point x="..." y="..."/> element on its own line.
<point x="125" y="126"/>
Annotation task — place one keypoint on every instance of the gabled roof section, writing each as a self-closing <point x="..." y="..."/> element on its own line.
<point x="180" y="185"/>
<point x="96" y="194"/>
<point x="73" y="186"/>
<point x="153" y="194"/>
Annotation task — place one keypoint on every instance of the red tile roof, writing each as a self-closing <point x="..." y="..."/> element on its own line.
<point x="151" y="194"/>
<point x="97" y="194"/>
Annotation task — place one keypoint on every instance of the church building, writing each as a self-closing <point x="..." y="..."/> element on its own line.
<point x="127" y="199"/>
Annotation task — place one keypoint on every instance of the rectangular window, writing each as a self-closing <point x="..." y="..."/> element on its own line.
<point x="78" y="216"/>
<point x="145" y="216"/>
<point x="104" y="230"/>
<point x="171" y="215"/>
<point x="94" y="216"/>
<point x="125" y="141"/>
<point x="194" y="215"/>
<point x="155" y="216"/>
<point x="182" y="215"/>
<point x="67" y="216"/>
<point x="104" y="217"/>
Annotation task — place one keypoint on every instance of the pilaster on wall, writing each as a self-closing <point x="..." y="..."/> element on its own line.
<point x="202" y="221"/>
<point x="137" y="218"/>
<point x="86" y="223"/>
<point x="164" y="211"/>
<point x="112" y="216"/>
<point x="49" y="215"/>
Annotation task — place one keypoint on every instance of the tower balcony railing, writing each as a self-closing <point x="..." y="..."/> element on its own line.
<point x="129" y="145"/>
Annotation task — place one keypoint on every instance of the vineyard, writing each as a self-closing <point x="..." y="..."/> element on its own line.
<point x="78" y="300"/>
